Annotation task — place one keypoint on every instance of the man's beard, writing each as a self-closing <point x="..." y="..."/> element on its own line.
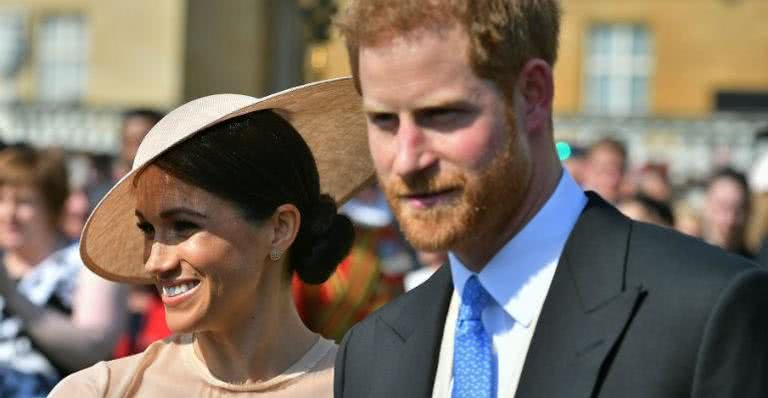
<point x="483" y="202"/>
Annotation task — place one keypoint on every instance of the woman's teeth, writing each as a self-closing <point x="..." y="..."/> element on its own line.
<point x="176" y="290"/>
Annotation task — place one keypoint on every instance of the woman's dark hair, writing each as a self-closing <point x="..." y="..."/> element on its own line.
<point x="258" y="161"/>
<point x="728" y="173"/>
<point x="661" y="209"/>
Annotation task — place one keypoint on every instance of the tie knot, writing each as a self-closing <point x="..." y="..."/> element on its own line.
<point x="473" y="300"/>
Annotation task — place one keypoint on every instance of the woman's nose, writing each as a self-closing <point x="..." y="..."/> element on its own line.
<point x="162" y="259"/>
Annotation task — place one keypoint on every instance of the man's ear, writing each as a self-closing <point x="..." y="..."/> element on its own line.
<point x="286" y="221"/>
<point x="536" y="91"/>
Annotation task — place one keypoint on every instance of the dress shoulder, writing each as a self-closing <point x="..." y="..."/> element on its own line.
<point x="118" y="377"/>
<point x="89" y="382"/>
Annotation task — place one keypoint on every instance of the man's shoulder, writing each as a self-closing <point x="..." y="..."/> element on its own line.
<point x="372" y="349"/>
<point x="673" y="266"/>
<point x="650" y="247"/>
<point x="677" y="252"/>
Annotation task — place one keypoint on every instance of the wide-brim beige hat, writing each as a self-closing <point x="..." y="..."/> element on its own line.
<point x="327" y="114"/>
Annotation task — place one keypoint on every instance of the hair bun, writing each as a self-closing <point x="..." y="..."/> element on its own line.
<point x="324" y="240"/>
<point x="322" y="215"/>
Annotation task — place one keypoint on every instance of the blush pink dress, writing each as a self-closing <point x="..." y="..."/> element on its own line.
<point x="170" y="368"/>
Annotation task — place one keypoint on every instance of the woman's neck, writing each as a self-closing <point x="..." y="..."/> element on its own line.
<point x="262" y="348"/>
<point x="19" y="261"/>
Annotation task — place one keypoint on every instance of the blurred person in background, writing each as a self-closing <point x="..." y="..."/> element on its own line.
<point x="687" y="218"/>
<point x="107" y="170"/>
<point x="725" y="211"/>
<point x="647" y="199"/>
<point x="605" y="168"/>
<point x="369" y="277"/>
<point x="56" y="317"/>
<point x="135" y="126"/>
<point x="80" y="168"/>
<point x="576" y="163"/>
<point x="76" y="209"/>
<point x="653" y="182"/>
<point x="99" y="177"/>
<point x="429" y="262"/>
<point x="757" y="232"/>
<point x="643" y="208"/>
<point x="146" y="322"/>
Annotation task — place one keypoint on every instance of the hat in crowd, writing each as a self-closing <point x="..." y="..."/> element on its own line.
<point x="326" y="114"/>
<point x="370" y="214"/>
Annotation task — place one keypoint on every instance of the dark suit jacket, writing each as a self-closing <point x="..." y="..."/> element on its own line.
<point x="762" y="256"/>
<point x="634" y="310"/>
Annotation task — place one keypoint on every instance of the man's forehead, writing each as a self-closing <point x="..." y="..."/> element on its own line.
<point x="424" y="70"/>
<point x="416" y="40"/>
<point x="440" y="30"/>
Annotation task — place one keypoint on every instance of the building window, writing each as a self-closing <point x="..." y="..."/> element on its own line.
<point x="11" y="52"/>
<point x="618" y="66"/>
<point x="62" y="56"/>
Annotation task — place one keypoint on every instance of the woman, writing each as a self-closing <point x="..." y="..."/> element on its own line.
<point x="225" y="200"/>
<point x="54" y="319"/>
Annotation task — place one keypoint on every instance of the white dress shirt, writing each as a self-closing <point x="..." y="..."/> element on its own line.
<point x="518" y="278"/>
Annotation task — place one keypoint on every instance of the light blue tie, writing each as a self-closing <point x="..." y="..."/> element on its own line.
<point x="474" y="365"/>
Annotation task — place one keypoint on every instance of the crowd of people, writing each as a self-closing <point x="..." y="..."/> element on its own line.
<point x="724" y="210"/>
<point x="59" y="317"/>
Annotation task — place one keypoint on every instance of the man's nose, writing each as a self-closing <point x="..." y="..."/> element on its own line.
<point x="413" y="149"/>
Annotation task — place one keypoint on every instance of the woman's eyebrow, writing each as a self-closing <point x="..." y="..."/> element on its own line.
<point x="168" y="213"/>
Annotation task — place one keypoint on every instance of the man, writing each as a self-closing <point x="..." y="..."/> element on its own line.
<point x="136" y="124"/>
<point x="606" y="165"/>
<point x="726" y="211"/>
<point x="549" y="292"/>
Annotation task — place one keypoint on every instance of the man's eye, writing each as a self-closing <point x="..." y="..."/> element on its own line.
<point x="443" y="115"/>
<point x="146" y="228"/>
<point x="184" y="226"/>
<point x="384" y="121"/>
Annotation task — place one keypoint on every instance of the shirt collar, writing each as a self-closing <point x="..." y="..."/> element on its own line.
<point x="530" y="251"/>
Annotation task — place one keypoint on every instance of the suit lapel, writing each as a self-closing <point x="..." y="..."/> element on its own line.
<point x="409" y="341"/>
<point x="586" y="311"/>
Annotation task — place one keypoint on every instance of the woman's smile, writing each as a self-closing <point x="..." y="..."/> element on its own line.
<point x="176" y="292"/>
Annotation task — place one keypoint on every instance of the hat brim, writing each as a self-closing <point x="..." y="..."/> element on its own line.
<point x="327" y="114"/>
